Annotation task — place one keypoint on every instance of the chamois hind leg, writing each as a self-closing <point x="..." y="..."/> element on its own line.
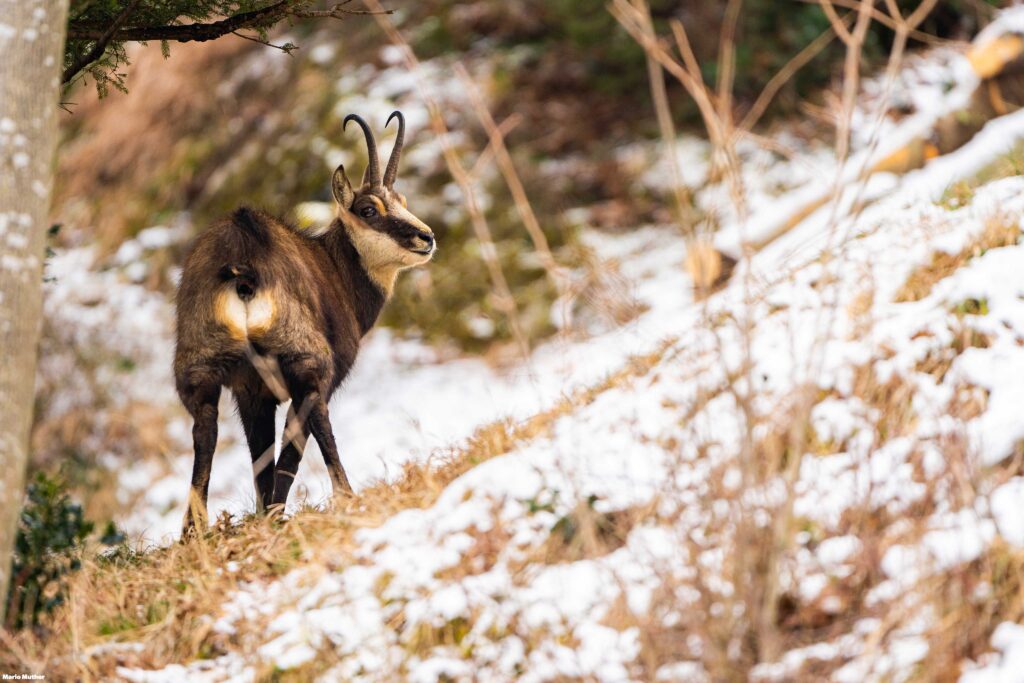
<point x="201" y="402"/>
<point x="293" y="443"/>
<point x="306" y="376"/>
<point x="257" y="414"/>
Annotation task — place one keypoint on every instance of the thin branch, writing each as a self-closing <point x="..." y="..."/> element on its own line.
<point x="784" y="74"/>
<point x="287" y="48"/>
<point x="851" y="71"/>
<point x="502" y="297"/>
<point x="338" y="11"/>
<point x="886" y="20"/>
<point x="837" y="24"/>
<point x="920" y="14"/>
<point x="725" y="144"/>
<point x="100" y="46"/>
<point x="486" y="156"/>
<point x="727" y="60"/>
<point x="627" y="16"/>
<point x="185" y="33"/>
<point x="689" y="57"/>
<point x="663" y="113"/>
<point x="894" y="11"/>
<point x="515" y="184"/>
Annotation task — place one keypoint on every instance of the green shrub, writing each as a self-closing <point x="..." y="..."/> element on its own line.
<point x="52" y="533"/>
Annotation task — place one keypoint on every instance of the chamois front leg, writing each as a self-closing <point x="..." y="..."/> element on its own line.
<point x="320" y="425"/>
<point x="201" y="402"/>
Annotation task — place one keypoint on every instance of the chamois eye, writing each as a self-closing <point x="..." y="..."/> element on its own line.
<point x="368" y="212"/>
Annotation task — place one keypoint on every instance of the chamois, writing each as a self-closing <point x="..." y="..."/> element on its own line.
<point x="273" y="313"/>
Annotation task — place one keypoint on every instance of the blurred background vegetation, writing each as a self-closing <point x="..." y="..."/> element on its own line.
<point x="164" y="139"/>
<point x="233" y="122"/>
<point x="210" y="126"/>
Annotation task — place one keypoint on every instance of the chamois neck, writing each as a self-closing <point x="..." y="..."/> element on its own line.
<point x="368" y="296"/>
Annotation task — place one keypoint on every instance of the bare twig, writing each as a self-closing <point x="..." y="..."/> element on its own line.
<point x="338" y="12"/>
<point x="851" y="68"/>
<point x="837" y="24"/>
<point x="633" y="22"/>
<point x="727" y="60"/>
<point x="486" y="156"/>
<point x="725" y="144"/>
<point x="270" y="372"/>
<point x="668" y="134"/>
<point x="886" y="20"/>
<point x="511" y="176"/>
<point x="287" y="48"/>
<point x="774" y="85"/>
<point x="503" y="299"/>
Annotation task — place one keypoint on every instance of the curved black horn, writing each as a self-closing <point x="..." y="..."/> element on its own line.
<point x="372" y="174"/>
<point x="391" y="172"/>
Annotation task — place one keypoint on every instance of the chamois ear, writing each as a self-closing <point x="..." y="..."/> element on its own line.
<point x="342" y="189"/>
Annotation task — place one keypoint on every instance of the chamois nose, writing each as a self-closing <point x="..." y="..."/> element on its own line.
<point x="426" y="237"/>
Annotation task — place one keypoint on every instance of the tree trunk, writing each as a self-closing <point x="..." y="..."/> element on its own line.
<point x="31" y="56"/>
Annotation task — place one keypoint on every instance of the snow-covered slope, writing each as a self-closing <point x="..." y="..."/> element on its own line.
<point x="812" y="474"/>
<point x="821" y="316"/>
<point x="631" y="446"/>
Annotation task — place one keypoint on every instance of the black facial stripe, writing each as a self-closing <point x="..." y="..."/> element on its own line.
<point x="394" y="227"/>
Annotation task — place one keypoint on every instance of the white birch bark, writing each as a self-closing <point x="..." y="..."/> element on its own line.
<point x="31" y="55"/>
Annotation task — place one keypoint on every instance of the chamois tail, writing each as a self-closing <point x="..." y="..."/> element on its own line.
<point x="245" y="245"/>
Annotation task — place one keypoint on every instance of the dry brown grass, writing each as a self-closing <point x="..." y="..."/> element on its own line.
<point x="586" y="533"/>
<point x="970" y="601"/>
<point x="938" y="362"/>
<point x="163" y="598"/>
<point x="892" y="397"/>
<point x="765" y="616"/>
<point x="1000" y="231"/>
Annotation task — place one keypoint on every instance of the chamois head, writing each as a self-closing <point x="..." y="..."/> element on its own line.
<point x="387" y="236"/>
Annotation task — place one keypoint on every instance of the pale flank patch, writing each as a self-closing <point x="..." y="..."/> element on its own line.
<point x="260" y="313"/>
<point x="242" y="319"/>
<point x="229" y="310"/>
